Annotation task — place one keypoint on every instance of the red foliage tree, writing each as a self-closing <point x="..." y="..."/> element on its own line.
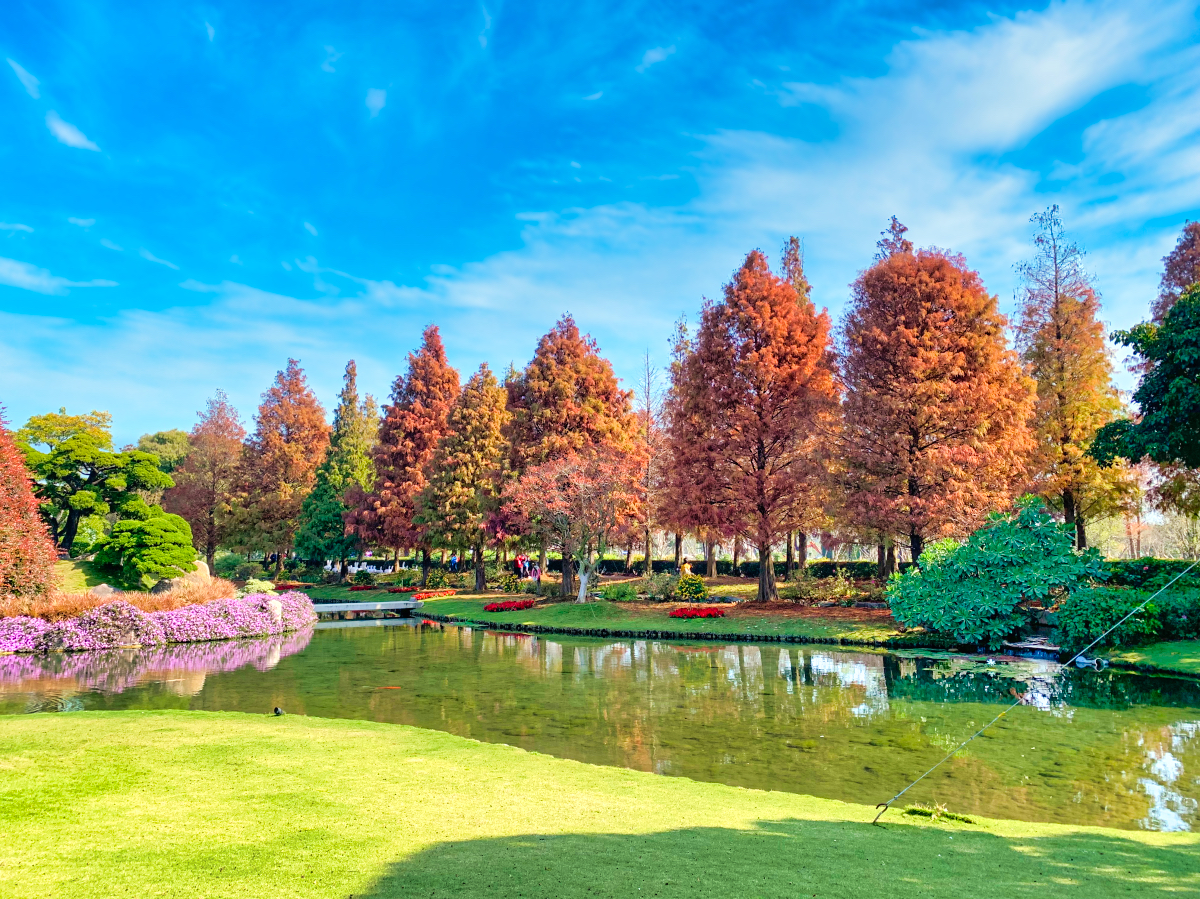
<point x="206" y="484"/>
<point x="27" y="553"/>
<point x="1181" y="269"/>
<point x="412" y="425"/>
<point x="935" y="413"/>
<point x="280" y="462"/>
<point x="760" y="379"/>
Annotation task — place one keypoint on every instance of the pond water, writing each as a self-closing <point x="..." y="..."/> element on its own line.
<point x="1109" y="748"/>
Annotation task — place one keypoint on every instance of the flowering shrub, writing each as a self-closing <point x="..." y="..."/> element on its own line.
<point x="360" y="587"/>
<point x="431" y="593"/>
<point x="510" y="605"/>
<point x="120" y="624"/>
<point x="691" y="587"/>
<point x="702" y="612"/>
<point x="401" y="589"/>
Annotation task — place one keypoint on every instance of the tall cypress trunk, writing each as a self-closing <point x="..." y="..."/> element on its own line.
<point x="881" y="562"/>
<point x="890" y="564"/>
<point x="737" y="553"/>
<point x="425" y="565"/>
<point x="649" y="553"/>
<point x="802" y="552"/>
<point x="480" y="570"/>
<point x="767" y="591"/>
<point x="1069" y="510"/>
<point x="678" y="552"/>
<point x="628" y="554"/>
<point x="790" y="565"/>
<point x="1080" y="533"/>
<point x="542" y="559"/>
<point x="916" y="546"/>
<point x="568" y="575"/>
<point x="710" y="552"/>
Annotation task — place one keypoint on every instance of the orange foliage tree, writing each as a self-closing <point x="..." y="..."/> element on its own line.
<point x="1181" y="269"/>
<point x="582" y="501"/>
<point x="207" y="481"/>
<point x="26" y="551"/>
<point x="412" y="425"/>
<point x="757" y="392"/>
<point x="934" y="426"/>
<point x="279" y="464"/>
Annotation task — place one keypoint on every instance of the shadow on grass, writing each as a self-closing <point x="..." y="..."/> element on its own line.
<point x="797" y="858"/>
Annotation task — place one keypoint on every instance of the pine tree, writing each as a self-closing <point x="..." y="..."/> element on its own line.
<point x="467" y="469"/>
<point x="279" y="466"/>
<point x="1181" y="269"/>
<point x="322" y="532"/>
<point x="26" y="551"/>
<point x="206" y="483"/>
<point x="412" y="425"/>
<point x="1062" y="344"/>
<point x="934" y="425"/>
<point x="761" y="376"/>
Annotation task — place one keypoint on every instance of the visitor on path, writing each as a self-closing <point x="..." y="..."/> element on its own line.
<point x="453" y="563"/>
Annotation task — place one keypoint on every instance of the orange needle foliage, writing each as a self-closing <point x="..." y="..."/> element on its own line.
<point x="934" y="429"/>
<point x="757" y="393"/>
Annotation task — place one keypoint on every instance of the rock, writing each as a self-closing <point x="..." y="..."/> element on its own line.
<point x="870" y="605"/>
<point x="104" y="591"/>
<point x="167" y="583"/>
<point x="275" y="607"/>
<point x="825" y="605"/>
<point x="200" y="576"/>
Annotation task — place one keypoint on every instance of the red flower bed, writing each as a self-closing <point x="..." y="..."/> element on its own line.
<point x="702" y="612"/>
<point x="359" y="588"/>
<point x="510" y="605"/>
<point x="402" y="589"/>
<point x="433" y="593"/>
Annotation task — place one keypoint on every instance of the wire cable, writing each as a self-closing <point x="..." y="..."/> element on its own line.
<point x="884" y="806"/>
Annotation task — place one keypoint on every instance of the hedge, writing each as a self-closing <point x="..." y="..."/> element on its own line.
<point x="1149" y="573"/>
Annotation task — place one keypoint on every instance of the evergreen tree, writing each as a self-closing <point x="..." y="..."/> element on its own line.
<point x="1062" y="344"/>
<point x="934" y="427"/>
<point x="279" y="465"/>
<point x="322" y="532"/>
<point x="171" y="447"/>
<point x="26" y="551"/>
<point x="412" y="425"/>
<point x="467" y="468"/>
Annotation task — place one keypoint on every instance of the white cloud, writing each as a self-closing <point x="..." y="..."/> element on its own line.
<point x="27" y="81"/>
<point x="82" y="223"/>
<point x="68" y="134"/>
<point x="487" y="26"/>
<point x="595" y="96"/>
<point x="376" y="100"/>
<point x="212" y="32"/>
<point x="14" y="226"/>
<point x="30" y="277"/>
<point x="658" y="54"/>
<point x="150" y="257"/>
<point x="234" y="259"/>
<point x="310" y="228"/>
<point x="105" y="242"/>
<point x="331" y="56"/>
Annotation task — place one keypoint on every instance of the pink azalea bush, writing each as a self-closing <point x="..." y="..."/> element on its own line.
<point x="118" y="624"/>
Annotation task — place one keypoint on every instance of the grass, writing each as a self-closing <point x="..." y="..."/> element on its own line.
<point x="79" y="576"/>
<point x="602" y="614"/>
<point x="1177" y="655"/>
<point x="185" y="804"/>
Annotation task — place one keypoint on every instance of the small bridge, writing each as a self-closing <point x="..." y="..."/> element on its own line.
<point x="399" y="608"/>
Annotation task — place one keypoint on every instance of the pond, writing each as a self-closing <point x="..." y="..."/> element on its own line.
<point x="1109" y="748"/>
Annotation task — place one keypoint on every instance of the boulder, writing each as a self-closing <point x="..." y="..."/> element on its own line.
<point x="167" y="583"/>
<point x="103" y="591"/>
<point x="200" y="576"/>
<point x="275" y="607"/>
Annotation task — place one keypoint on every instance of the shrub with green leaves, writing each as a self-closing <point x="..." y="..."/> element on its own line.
<point x="660" y="586"/>
<point x="363" y="579"/>
<point x="622" y="592"/>
<point x="254" y="585"/>
<point x="437" y="579"/>
<point x="1088" y="613"/>
<point x="691" y="588"/>
<point x="973" y="592"/>
<point x="508" y="582"/>
<point x="146" y="550"/>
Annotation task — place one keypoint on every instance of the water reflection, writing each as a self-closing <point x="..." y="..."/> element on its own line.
<point x="1087" y="747"/>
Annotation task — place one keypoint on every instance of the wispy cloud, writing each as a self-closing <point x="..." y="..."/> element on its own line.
<point x="68" y="134"/>
<point x="657" y="55"/>
<point x="14" y="226"/>
<point x="212" y="32"/>
<point x="108" y="244"/>
<point x="82" y="223"/>
<point x="595" y="96"/>
<point x="310" y="228"/>
<point x="150" y="257"/>
<point x="28" y="81"/>
<point x="30" y="277"/>
<point x="331" y="56"/>
<point x="487" y="26"/>
<point x="376" y="100"/>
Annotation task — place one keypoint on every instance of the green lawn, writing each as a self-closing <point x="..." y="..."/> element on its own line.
<point x="602" y="614"/>
<point x="78" y="576"/>
<point x="189" y="804"/>
<point x="1179" y="655"/>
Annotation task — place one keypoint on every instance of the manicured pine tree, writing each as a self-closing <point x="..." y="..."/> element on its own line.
<point x="1061" y="341"/>
<point x="467" y="470"/>
<point x="1181" y="269"/>
<point x="206" y="484"/>
<point x="26" y="551"/>
<point x="761" y="375"/>
<point x="348" y="464"/>
<point x="934" y="426"/>
<point x="412" y="425"/>
<point x="279" y="466"/>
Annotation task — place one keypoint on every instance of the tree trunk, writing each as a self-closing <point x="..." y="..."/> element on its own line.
<point x="480" y="570"/>
<point x="395" y="561"/>
<point x="1080" y="533"/>
<point x="71" y="529"/>
<point x="916" y="545"/>
<point x="568" y="576"/>
<point x="710" y="552"/>
<point x="802" y="552"/>
<point x="678" y="551"/>
<point x="586" y="567"/>
<point x="790" y="565"/>
<point x="543" y="560"/>
<point x="628" y="554"/>
<point x="737" y="552"/>
<point x="1069" y="512"/>
<point x="881" y="562"/>
<point x="425" y="565"/>
<point x="767" y="591"/>
<point x="890" y="568"/>
<point x="649" y="553"/>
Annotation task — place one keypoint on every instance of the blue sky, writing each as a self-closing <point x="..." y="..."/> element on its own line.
<point x="194" y="192"/>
